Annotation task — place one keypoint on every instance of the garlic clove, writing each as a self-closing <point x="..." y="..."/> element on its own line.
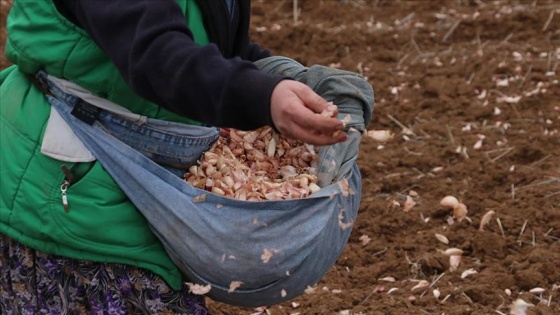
<point x="380" y="135"/>
<point x="485" y="219"/>
<point x="460" y="212"/>
<point x="442" y="238"/>
<point x="453" y="252"/>
<point x="449" y="202"/>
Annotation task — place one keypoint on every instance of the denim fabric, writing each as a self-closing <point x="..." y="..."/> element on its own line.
<point x="173" y="145"/>
<point x="274" y="250"/>
<point x="353" y="96"/>
<point x="349" y="91"/>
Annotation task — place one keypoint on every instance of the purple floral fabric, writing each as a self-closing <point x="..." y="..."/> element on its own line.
<point x="33" y="282"/>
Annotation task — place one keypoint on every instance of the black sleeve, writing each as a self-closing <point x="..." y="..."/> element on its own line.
<point x="152" y="47"/>
<point x="254" y="52"/>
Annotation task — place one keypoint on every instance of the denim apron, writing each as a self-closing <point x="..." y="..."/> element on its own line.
<point x="251" y="253"/>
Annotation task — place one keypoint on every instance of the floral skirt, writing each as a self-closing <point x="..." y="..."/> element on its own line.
<point x="33" y="282"/>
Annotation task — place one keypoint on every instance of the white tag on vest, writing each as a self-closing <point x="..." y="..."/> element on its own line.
<point x="60" y="142"/>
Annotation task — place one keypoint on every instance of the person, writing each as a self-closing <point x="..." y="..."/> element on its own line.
<point x="70" y="239"/>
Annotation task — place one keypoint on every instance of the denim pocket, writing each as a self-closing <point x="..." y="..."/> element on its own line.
<point x="166" y="143"/>
<point x="175" y="146"/>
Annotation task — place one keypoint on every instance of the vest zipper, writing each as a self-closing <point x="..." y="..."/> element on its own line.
<point x="63" y="188"/>
<point x="68" y="181"/>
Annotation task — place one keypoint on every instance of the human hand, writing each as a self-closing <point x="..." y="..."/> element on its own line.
<point x="296" y="112"/>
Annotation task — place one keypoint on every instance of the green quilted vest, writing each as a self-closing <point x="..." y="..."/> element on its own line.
<point x="101" y="225"/>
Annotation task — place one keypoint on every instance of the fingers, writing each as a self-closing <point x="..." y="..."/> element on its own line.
<point x="317" y="123"/>
<point x="326" y="122"/>
<point x="319" y="139"/>
<point x="301" y="123"/>
<point x="296" y="112"/>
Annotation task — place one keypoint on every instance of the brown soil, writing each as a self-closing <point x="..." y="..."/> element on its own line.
<point x="439" y="69"/>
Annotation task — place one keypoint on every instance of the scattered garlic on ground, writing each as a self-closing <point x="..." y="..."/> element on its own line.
<point x="450" y="220"/>
<point x="482" y="95"/>
<point x="453" y="251"/>
<point x="454" y="261"/>
<point x="436" y="293"/>
<point x="260" y="310"/>
<point x="537" y="290"/>
<point x="283" y="293"/>
<point x="449" y="202"/>
<point x="478" y="143"/>
<point x="468" y="272"/>
<point x="380" y="135"/>
<point x="437" y="169"/>
<point x="388" y="279"/>
<point x="365" y="239"/>
<point x="442" y="238"/>
<point x="519" y="307"/>
<point x="310" y="289"/>
<point x="508" y="99"/>
<point x="421" y="284"/>
<point x="408" y="204"/>
<point x="460" y="212"/>
<point x="379" y="288"/>
<point x="391" y="290"/>
<point x="393" y="204"/>
<point x="502" y="82"/>
<point x="485" y="219"/>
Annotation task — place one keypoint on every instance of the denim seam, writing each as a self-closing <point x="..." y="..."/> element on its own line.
<point x="156" y="151"/>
